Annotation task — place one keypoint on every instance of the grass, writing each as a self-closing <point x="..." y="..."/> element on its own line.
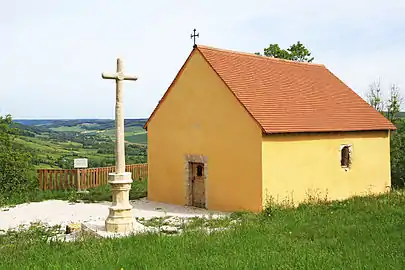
<point x="50" y="151"/>
<point x="128" y="131"/>
<point x="102" y="193"/>
<point x="137" y="138"/>
<point x="76" y="128"/>
<point x="46" y="149"/>
<point x="360" y="233"/>
<point x="133" y="134"/>
<point x="109" y="132"/>
<point x="42" y="145"/>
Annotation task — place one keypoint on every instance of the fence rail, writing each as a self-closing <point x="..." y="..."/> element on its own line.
<point x="59" y="179"/>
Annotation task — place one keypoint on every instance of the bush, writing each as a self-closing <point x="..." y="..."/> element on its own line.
<point x="16" y="169"/>
<point x="398" y="155"/>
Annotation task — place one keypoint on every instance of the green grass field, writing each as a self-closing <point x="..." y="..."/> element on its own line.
<point x="47" y="149"/>
<point x="66" y="128"/>
<point x="141" y="138"/>
<point x="360" y="233"/>
<point x="128" y="131"/>
<point x="49" y="152"/>
<point x="133" y="134"/>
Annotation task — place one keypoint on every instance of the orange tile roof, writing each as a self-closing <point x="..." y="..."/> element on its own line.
<point x="287" y="96"/>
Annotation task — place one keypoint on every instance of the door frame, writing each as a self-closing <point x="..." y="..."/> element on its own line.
<point x="188" y="174"/>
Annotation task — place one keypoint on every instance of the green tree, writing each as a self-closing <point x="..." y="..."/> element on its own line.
<point x="398" y="155"/>
<point x="15" y="163"/>
<point x="296" y="52"/>
<point x="375" y="98"/>
<point x="393" y="105"/>
<point x="390" y="109"/>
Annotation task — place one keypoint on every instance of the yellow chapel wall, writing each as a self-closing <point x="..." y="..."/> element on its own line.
<point x="200" y="116"/>
<point x="300" y="166"/>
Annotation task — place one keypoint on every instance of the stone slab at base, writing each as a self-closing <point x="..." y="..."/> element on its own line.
<point x="98" y="229"/>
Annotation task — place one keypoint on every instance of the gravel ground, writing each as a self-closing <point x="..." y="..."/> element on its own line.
<point x="56" y="212"/>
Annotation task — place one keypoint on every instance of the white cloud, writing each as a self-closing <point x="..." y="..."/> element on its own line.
<point x="53" y="52"/>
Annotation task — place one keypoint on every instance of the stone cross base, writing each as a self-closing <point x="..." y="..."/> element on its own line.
<point x="120" y="219"/>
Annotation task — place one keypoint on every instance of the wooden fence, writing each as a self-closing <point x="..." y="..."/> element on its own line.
<point x="60" y="179"/>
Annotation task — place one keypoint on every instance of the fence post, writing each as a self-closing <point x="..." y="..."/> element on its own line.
<point x="83" y="173"/>
<point x="45" y="179"/>
<point x="41" y="185"/>
<point x="78" y="180"/>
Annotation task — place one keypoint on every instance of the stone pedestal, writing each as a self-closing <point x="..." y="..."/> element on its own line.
<point x="120" y="219"/>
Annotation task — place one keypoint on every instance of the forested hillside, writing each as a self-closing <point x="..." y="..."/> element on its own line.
<point x="55" y="143"/>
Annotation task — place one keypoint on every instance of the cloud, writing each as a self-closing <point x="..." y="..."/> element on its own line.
<point x="55" y="51"/>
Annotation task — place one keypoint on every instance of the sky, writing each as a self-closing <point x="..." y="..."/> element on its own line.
<point x="53" y="52"/>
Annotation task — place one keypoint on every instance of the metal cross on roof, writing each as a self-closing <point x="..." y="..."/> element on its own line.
<point x="194" y="35"/>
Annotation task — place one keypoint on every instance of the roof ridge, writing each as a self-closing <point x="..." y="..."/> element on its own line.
<point x="274" y="59"/>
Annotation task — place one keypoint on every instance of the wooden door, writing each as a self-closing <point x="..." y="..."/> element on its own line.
<point x="198" y="185"/>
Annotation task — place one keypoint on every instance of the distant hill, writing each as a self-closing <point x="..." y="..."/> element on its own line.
<point x="401" y="114"/>
<point x="102" y="123"/>
<point x="40" y="125"/>
<point x="134" y="132"/>
<point x="54" y="143"/>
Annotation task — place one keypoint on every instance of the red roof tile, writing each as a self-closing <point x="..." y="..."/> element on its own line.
<point x="286" y="96"/>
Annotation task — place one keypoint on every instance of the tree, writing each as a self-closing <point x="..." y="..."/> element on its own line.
<point x="398" y="155"/>
<point x="390" y="109"/>
<point x="375" y="98"/>
<point x="296" y="52"/>
<point x="394" y="102"/>
<point x="15" y="163"/>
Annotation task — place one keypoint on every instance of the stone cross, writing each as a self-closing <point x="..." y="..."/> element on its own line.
<point x="119" y="77"/>
<point x="120" y="217"/>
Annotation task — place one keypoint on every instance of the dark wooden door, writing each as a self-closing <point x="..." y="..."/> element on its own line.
<point x="198" y="185"/>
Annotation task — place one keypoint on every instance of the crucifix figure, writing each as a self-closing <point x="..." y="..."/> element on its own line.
<point x="119" y="78"/>
<point x="120" y="215"/>
<point x="194" y="35"/>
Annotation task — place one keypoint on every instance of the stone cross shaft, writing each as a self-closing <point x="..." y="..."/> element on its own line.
<point x="120" y="217"/>
<point x="119" y="78"/>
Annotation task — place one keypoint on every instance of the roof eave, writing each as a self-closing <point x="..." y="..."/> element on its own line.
<point x="280" y="132"/>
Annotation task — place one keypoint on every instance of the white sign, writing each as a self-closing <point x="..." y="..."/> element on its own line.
<point x="80" y="162"/>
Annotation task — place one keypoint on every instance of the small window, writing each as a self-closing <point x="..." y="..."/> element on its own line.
<point x="199" y="170"/>
<point x="345" y="156"/>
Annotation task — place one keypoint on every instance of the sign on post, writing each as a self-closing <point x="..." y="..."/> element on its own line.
<point x="80" y="163"/>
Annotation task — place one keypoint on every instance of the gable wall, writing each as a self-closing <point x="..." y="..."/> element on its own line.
<point x="200" y="116"/>
<point x="296" y="167"/>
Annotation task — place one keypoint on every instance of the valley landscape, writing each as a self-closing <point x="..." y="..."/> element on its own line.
<point x="55" y="143"/>
<point x="318" y="232"/>
<point x="262" y="154"/>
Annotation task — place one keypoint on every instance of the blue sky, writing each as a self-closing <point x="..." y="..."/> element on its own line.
<point x="53" y="52"/>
